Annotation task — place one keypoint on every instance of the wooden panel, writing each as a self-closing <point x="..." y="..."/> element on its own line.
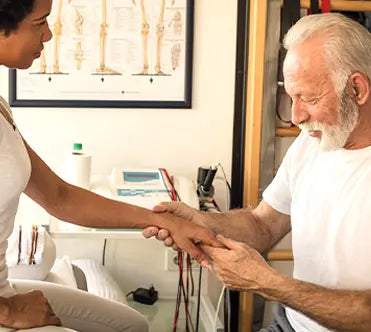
<point x="254" y="111"/>
<point x="246" y="312"/>
<point x="254" y="104"/>
<point x="356" y="6"/>
<point x="287" y="131"/>
<point x="280" y="255"/>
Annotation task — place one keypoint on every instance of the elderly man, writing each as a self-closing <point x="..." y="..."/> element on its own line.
<point x="321" y="192"/>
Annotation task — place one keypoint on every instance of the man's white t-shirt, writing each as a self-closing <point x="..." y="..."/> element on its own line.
<point x="328" y="196"/>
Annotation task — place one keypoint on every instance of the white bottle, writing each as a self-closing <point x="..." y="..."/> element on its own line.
<point x="79" y="167"/>
<point x="77" y="172"/>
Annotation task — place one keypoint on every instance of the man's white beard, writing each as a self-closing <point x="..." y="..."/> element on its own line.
<point x="335" y="136"/>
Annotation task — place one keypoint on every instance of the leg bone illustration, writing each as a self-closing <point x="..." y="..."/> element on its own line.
<point x="160" y="35"/>
<point x="103" y="39"/>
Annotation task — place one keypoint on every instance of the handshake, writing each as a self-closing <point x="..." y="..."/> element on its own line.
<point x="184" y="228"/>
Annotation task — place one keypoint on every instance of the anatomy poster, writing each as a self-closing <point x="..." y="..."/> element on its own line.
<point x="112" y="53"/>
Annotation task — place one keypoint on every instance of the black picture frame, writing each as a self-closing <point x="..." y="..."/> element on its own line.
<point x="16" y="99"/>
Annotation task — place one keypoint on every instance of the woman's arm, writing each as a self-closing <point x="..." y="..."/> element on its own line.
<point x="82" y="207"/>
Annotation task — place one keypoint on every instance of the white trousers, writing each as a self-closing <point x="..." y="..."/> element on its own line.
<point x="81" y="311"/>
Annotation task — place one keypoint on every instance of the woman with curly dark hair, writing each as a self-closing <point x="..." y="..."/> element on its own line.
<point x="23" y="30"/>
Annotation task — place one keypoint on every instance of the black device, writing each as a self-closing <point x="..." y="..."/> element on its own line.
<point x="145" y="295"/>
<point x="205" y="177"/>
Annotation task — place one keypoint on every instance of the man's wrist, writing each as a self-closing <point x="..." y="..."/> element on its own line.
<point x="272" y="284"/>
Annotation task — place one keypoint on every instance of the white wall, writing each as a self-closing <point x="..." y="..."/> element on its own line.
<point x="179" y="140"/>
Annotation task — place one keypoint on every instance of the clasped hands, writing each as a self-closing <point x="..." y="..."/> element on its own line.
<point x="236" y="265"/>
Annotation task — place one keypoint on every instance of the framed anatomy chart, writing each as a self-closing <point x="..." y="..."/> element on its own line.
<point x="112" y="53"/>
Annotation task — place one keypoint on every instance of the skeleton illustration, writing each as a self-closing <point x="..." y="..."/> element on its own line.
<point x="103" y="36"/>
<point x="79" y="21"/>
<point x="176" y="51"/>
<point x="177" y="23"/>
<point x="79" y="53"/>
<point x="57" y="30"/>
<point x="57" y="33"/>
<point x="160" y="34"/>
<point x="42" y="63"/>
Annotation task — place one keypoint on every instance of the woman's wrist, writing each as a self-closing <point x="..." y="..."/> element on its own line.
<point x="164" y="220"/>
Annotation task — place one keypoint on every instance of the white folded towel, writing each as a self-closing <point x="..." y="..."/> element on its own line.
<point x="25" y="245"/>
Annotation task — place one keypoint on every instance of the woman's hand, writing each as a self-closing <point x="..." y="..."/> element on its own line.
<point x="187" y="236"/>
<point x="178" y="209"/>
<point x="24" y="311"/>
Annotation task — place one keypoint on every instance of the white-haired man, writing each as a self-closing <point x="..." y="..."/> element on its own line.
<point x="321" y="192"/>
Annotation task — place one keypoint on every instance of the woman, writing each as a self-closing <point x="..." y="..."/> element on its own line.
<point x="23" y="30"/>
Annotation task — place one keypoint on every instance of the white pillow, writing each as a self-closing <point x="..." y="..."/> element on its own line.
<point x="99" y="281"/>
<point x="62" y="273"/>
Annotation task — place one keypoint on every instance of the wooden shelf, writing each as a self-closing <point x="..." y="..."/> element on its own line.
<point x="280" y="255"/>
<point x="287" y="131"/>
<point x="343" y="5"/>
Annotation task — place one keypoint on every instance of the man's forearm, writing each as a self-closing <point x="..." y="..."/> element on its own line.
<point x="240" y="225"/>
<point x="341" y="310"/>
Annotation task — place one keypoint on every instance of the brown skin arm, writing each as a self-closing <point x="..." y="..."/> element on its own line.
<point x="243" y="268"/>
<point x="82" y="207"/>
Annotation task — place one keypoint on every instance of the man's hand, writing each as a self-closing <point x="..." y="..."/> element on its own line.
<point x="239" y="266"/>
<point x="178" y="209"/>
<point x="24" y="311"/>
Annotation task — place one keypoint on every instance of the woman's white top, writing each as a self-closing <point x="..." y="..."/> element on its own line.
<point x="15" y="172"/>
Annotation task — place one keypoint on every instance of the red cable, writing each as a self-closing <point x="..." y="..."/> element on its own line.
<point x="326" y="6"/>
<point x="181" y="289"/>
<point x="179" y="296"/>
<point x="171" y="187"/>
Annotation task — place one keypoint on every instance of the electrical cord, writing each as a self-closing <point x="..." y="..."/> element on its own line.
<point x="186" y="297"/>
<point x="225" y="177"/>
<point x="192" y="281"/>
<point x="225" y="292"/>
<point x="218" y="308"/>
<point x="182" y="290"/>
<point x="185" y="292"/>
<point x="179" y="294"/>
<point x="198" y="300"/>
<point x="228" y="188"/>
<point x="172" y="192"/>
<point x="163" y="175"/>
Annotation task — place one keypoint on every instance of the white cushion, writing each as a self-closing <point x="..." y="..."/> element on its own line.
<point x="99" y="281"/>
<point x="62" y="273"/>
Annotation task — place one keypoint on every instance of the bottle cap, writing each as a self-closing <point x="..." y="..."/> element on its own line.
<point x="77" y="146"/>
